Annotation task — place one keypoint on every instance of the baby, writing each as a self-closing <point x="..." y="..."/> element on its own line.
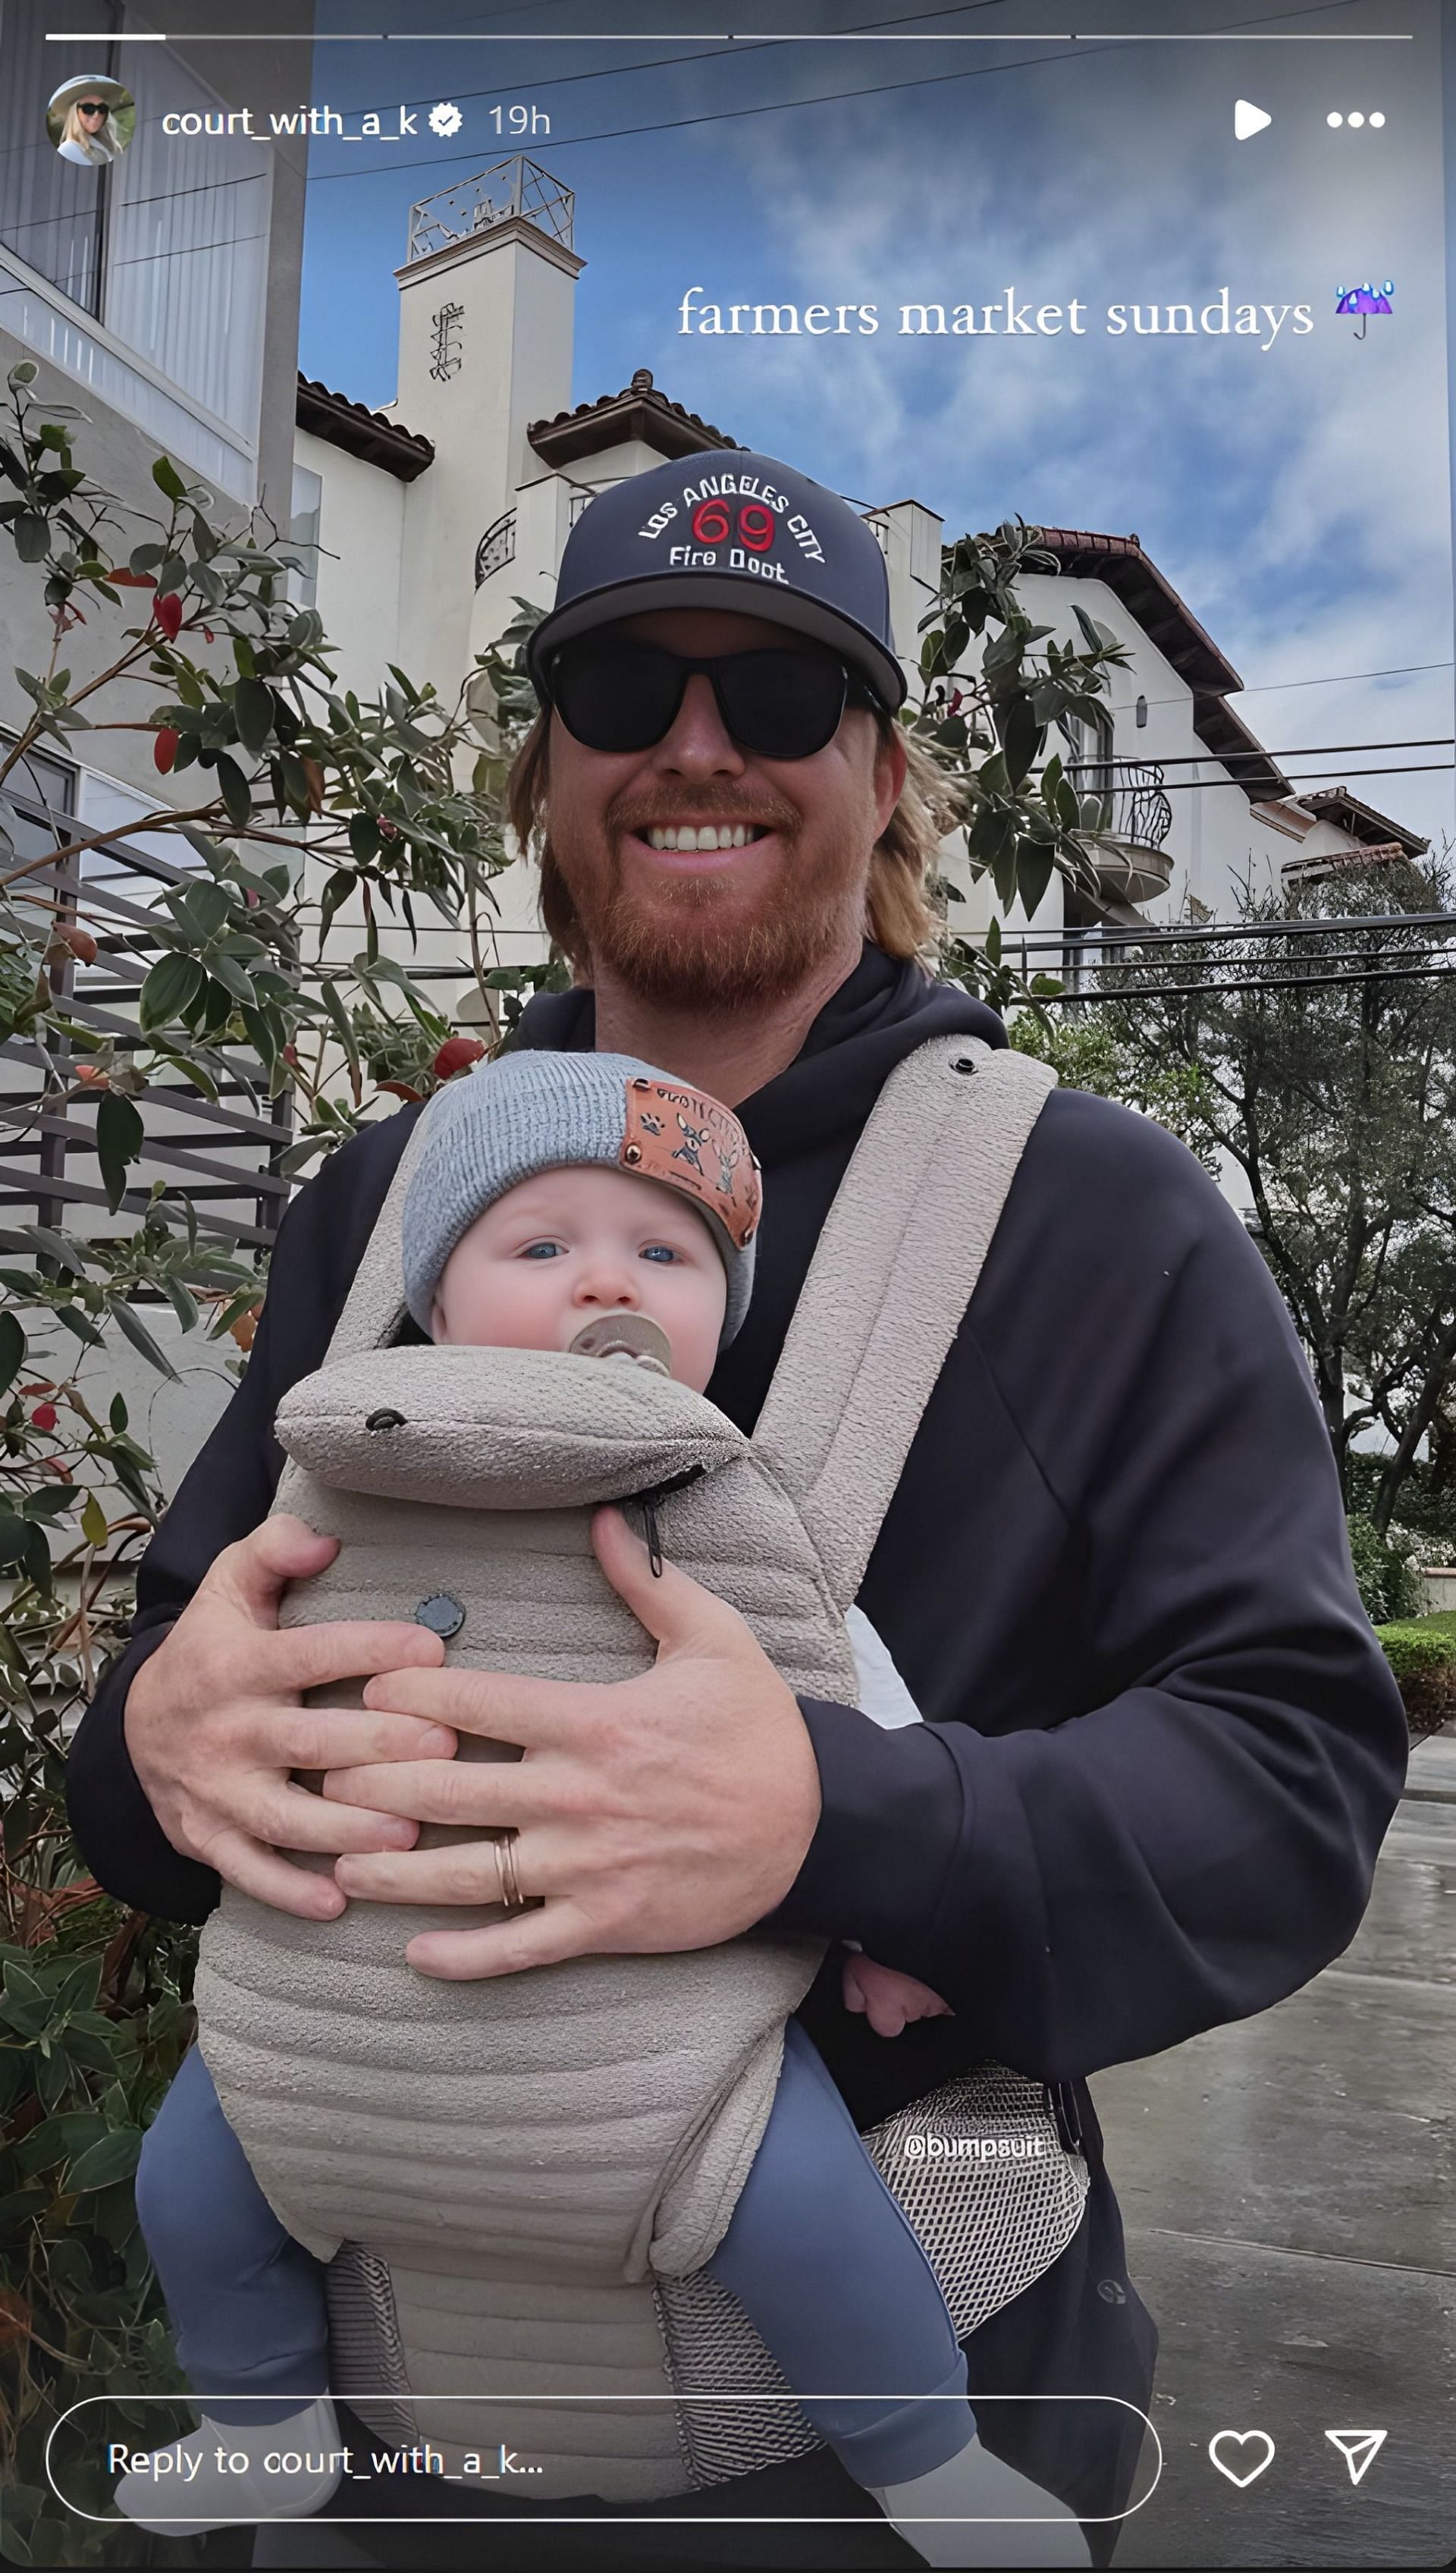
<point x="526" y="1228"/>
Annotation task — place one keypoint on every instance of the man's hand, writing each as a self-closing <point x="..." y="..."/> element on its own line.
<point x="661" y="1813"/>
<point x="214" y="1724"/>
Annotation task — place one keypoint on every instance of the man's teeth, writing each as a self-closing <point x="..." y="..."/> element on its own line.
<point x="705" y="835"/>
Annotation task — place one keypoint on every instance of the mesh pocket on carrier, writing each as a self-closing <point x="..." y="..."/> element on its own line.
<point x="993" y="2211"/>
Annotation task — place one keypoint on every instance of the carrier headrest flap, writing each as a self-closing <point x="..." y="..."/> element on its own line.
<point x="498" y="1429"/>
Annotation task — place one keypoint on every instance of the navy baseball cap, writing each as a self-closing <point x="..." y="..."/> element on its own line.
<point x="731" y="531"/>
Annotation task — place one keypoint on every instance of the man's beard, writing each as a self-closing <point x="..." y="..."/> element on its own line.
<point x="693" y="948"/>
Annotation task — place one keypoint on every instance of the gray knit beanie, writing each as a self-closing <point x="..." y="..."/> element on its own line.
<point x="529" y="1112"/>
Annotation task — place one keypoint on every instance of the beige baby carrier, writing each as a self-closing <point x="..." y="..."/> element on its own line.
<point x="517" y="2182"/>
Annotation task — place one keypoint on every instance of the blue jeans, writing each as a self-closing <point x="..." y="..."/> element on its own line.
<point x="818" y="2255"/>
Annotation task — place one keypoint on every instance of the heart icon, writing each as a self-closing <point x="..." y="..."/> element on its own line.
<point x="1245" y="2455"/>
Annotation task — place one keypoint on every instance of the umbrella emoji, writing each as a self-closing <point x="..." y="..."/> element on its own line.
<point x="1365" y="299"/>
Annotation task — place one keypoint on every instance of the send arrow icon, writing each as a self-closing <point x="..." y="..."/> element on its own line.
<point x="1359" y="2448"/>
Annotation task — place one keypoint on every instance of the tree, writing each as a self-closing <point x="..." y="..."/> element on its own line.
<point x="308" y="802"/>
<point x="1326" y="1075"/>
<point x="1086" y="1049"/>
<point x="305" y="800"/>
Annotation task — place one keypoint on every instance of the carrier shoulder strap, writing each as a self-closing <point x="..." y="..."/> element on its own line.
<point x="373" y="1309"/>
<point x="895" y="1267"/>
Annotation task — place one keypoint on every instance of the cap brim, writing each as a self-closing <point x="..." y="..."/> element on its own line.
<point x="743" y="594"/>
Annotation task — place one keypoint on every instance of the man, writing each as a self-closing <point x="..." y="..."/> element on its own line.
<point x="1160" y="1744"/>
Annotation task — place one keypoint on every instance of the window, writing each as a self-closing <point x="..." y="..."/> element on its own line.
<point x="37" y="783"/>
<point x="1088" y="757"/>
<point x="187" y="244"/>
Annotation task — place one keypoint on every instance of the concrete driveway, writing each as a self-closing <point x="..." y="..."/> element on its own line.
<point x="1287" y="2186"/>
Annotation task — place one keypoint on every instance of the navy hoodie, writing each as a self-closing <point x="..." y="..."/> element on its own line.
<point x="1162" y="1744"/>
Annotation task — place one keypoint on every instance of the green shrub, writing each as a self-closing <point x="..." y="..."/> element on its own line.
<point x="1389" y="1579"/>
<point x="1414" y="1645"/>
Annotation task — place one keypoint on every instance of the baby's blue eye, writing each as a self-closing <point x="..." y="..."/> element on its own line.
<point x="543" y="1250"/>
<point x="660" y="1251"/>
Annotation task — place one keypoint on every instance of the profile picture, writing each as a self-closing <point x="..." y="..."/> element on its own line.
<point x="91" y="119"/>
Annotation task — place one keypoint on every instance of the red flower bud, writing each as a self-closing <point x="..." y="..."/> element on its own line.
<point x="168" y="612"/>
<point x="245" y="1330"/>
<point x="164" y="747"/>
<point x="208" y="634"/>
<point x="454" y="1056"/>
<point x="80" y="941"/>
<point x="43" y="1417"/>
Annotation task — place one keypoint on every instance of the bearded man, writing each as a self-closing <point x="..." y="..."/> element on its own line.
<point x="1160" y="1745"/>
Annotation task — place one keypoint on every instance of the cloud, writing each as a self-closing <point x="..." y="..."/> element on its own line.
<point x="1298" y="498"/>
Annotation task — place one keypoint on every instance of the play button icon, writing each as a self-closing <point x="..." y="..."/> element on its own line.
<point x="1249" y="119"/>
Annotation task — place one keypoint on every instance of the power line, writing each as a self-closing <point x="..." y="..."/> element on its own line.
<point x="1316" y="777"/>
<point x="1280" y="983"/>
<point x="1079" y="50"/>
<point x="1300" y="750"/>
<point x="1328" y="680"/>
<point x="1348" y="924"/>
<point x="728" y="116"/>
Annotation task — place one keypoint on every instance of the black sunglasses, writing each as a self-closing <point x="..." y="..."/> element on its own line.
<point x="93" y="107"/>
<point x="619" y="694"/>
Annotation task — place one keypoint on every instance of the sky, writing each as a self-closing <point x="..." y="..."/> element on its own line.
<point x="1297" y="494"/>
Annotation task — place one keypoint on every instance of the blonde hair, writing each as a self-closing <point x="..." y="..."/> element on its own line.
<point x="73" y="131"/>
<point x="900" y="914"/>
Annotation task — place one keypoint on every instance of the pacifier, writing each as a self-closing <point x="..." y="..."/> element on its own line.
<point x="624" y="1336"/>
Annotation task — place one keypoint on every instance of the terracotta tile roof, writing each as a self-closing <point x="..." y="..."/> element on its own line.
<point x="1381" y="837"/>
<point x="361" y="432"/>
<point x="1169" y="623"/>
<point x="639" y="410"/>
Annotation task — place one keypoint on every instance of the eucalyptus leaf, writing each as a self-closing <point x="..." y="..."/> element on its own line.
<point x="133" y="1328"/>
<point x="12" y="1351"/>
<point x="254" y="709"/>
<point x="111" y="2159"/>
<point x="32" y="534"/>
<point x="172" y="986"/>
<point x="236" y="792"/>
<point x="119" y="1133"/>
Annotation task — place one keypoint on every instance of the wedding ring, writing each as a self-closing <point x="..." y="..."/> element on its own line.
<point x="510" y="1893"/>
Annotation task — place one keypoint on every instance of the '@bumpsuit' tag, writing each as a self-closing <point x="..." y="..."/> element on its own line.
<point x="694" y="1145"/>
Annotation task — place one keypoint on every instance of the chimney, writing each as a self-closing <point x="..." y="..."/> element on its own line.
<point x="486" y="299"/>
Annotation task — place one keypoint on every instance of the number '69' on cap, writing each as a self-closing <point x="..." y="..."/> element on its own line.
<point x="729" y="530"/>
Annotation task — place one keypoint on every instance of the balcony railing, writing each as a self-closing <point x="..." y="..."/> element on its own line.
<point x="477" y="205"/>
<point x="497" y="547"/>
<point x="1134" y="809"/>
<point x="1134" y="820"/>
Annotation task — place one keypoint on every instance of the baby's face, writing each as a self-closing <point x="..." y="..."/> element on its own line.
<point x="568" y="1246"/>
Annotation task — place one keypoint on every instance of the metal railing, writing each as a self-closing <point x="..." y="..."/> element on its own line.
<point x="221" y="1154"/>
<point x="497" y="547"/>
<point x="1134" y="808"/>
<point x="477" y="205"/>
